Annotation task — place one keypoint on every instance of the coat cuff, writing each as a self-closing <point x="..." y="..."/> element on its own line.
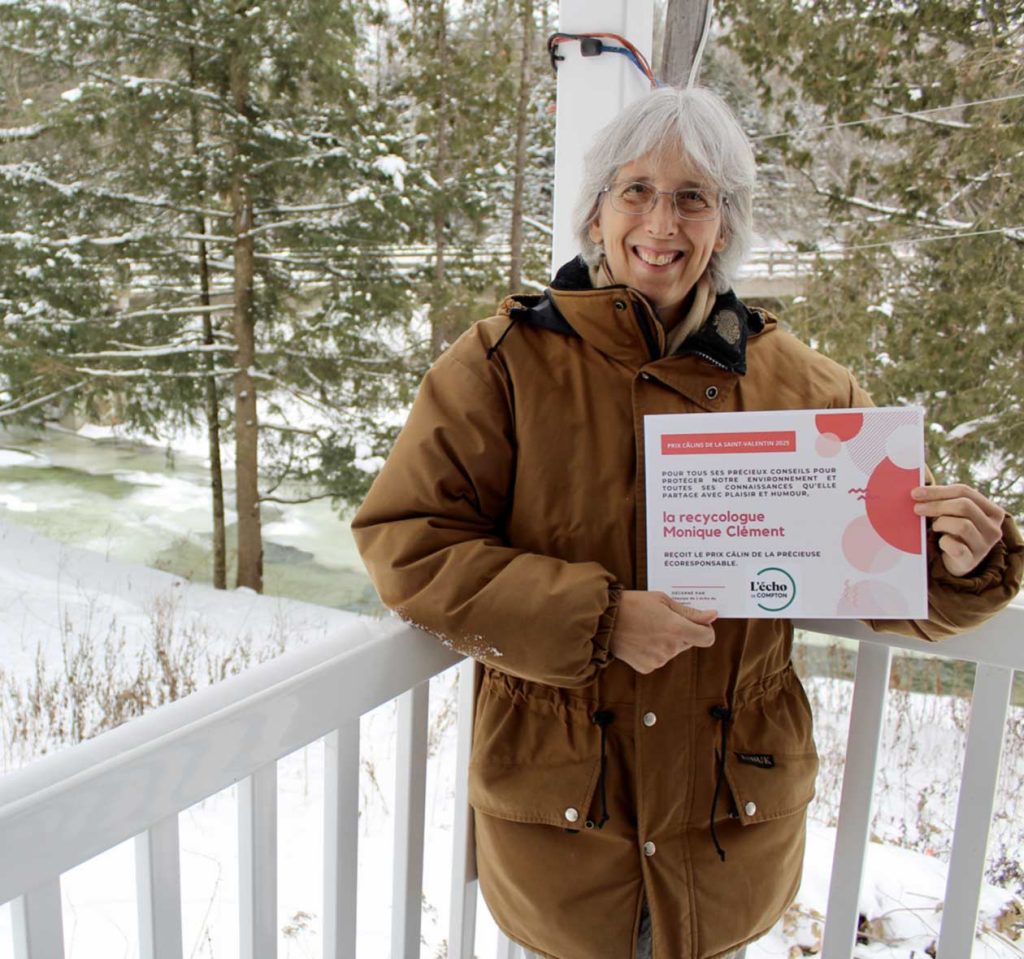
<point x="1001" y="568"/>
<point x="605" y="625"/>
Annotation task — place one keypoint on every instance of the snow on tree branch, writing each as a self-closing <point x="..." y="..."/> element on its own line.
<point x="922" y="117"/>
<point x="24" y="173"/>
<point x="145" y="374"/>
<point x="314" y="208"/>
<point x="9" y="411"/>
<point x="174" y="311"/>
<point x="143" y="352"/>
<point x="863" y="204"/>
<point x="544" y="228"/>
<point x="10" y="134"/>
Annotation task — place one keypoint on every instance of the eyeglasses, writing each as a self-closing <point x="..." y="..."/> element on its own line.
<point x="638" y="198"/>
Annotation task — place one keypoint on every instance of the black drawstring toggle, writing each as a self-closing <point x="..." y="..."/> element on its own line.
<point x="603" y="719"/>
<point x="723" y="714"/>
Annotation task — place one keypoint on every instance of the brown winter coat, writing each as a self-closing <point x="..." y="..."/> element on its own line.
<point x="507" y="520"/>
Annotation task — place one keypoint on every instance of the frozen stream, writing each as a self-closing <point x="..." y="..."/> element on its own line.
<point x="148" y="505"/>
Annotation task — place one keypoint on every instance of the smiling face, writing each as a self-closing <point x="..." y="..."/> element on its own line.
<point x="658" y="253"/>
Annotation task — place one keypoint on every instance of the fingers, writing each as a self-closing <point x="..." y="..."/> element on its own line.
<point x="970" y="523"/>
<point x="970" y="537"/>
<point x="957" y="492"/>
<point x="703" y="616"/>
<point x="652" y="629"/>
<point x="688" y="627"/>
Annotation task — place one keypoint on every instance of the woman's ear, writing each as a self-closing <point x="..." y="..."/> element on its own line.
<point x="594" y="230"/>
<point x="722" y="241"/>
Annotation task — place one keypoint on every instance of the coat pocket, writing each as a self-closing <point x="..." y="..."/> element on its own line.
<point x="771" y="762"/>
<point x="536" y="754"/>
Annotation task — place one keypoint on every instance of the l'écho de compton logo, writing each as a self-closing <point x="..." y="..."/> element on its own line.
<point x="773" y="589"/>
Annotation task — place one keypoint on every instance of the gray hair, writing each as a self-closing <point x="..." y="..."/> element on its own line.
<point x="698" y="125"/>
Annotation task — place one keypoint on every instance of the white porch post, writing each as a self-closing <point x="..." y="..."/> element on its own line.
<point x="591" y="90"/>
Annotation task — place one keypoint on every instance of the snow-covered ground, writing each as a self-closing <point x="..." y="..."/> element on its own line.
<point x="45" y="586"/>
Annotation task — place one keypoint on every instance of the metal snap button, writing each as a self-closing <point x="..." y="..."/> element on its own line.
<point x="711" y="392"/>
<point x="645" y="376"/>
<point x="572" y="814"/>
<point x="589" y="824"/>
<point x="649" y="719"/>
<point x="649" y="848"/>
<point x="620" y="305"/>
<point x="750" y="808"/>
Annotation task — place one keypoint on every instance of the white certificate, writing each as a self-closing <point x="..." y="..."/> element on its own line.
<point x="796" y="514"/>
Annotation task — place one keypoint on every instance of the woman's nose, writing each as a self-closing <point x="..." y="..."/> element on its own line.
<point x="662" y="220"/>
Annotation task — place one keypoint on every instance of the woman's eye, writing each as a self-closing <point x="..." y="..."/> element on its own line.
<point x="636" y="190"/>
<point x="691" y="198"/>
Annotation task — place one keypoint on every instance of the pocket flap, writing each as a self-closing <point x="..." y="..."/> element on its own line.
<point x="771" y="763"/>
<point x="761" y="793"/>
<point x="536" y="756"/>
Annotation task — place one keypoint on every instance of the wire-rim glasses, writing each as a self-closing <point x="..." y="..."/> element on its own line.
<point x="690" y="203"/>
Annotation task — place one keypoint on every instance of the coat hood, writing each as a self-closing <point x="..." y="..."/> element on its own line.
<point x="572" y="306"/>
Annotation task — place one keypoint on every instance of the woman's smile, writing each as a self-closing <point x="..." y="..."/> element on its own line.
<point x="657" y="258"/>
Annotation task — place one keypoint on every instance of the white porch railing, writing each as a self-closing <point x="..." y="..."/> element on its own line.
<point x="134" y="780"/>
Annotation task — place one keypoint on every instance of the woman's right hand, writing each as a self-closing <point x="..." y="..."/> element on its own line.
<point x="652" y="628"/>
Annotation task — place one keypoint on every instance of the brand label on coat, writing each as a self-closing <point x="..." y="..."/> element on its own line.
<point x="764" y="760"/>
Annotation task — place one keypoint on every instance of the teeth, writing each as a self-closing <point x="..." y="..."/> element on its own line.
<point x="656" y="259"/>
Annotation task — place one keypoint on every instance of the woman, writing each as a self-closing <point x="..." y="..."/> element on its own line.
<point x="509" y="520"/>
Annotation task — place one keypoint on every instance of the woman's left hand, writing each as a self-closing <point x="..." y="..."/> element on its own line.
<point x="970" y="524"/>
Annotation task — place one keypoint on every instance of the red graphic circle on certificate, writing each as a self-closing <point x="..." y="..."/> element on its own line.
<point x="828" y="445"/>
<point x="890" y="508"/>
<point x="843" y="426"/>
<point x="865" y="550"/>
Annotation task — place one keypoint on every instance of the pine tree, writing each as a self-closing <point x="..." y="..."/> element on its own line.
<point x="458" y="78"/>
<point x="920" y="283"/>
<point x="203" y="161"/>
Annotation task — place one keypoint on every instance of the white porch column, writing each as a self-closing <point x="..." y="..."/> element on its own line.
<point x="591" y="90"/>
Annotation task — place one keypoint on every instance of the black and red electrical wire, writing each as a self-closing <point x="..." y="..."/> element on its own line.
<point x="594" y="44"/>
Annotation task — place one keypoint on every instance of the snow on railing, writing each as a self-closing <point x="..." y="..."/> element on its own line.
<point x="134" y="780"/>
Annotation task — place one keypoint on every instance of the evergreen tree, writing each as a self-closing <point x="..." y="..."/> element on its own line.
<point x="906" y="122"/>
<point x="459" y="80"/>
<point x="216" y="162"/>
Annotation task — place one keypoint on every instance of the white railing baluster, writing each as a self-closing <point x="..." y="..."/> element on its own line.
<point x="341" y="840"/>
<point x="506" y="948"/>
<point x="867" y="718"/>
<point x="257" y="863"/>
<point x="462" y="928"/>
<point x="989" y="708"/>
<point x="410" y="798"/>
<point x="158" y="890"/>
<point x="38" y="923"/>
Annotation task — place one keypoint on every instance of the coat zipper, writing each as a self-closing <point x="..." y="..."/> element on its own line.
<point x="707" y="359"/>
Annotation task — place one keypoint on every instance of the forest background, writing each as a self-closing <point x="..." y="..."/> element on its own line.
<point x="266" y="219"/>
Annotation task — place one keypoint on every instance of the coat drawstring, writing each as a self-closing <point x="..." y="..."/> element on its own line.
<point x="723" y="714"/>
<point x="603" y="719"/>
<point x="505" y="332"/>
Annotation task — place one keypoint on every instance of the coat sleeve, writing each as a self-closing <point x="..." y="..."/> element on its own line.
<point x="431" y="534"/>
<point x="958" y="603"/>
